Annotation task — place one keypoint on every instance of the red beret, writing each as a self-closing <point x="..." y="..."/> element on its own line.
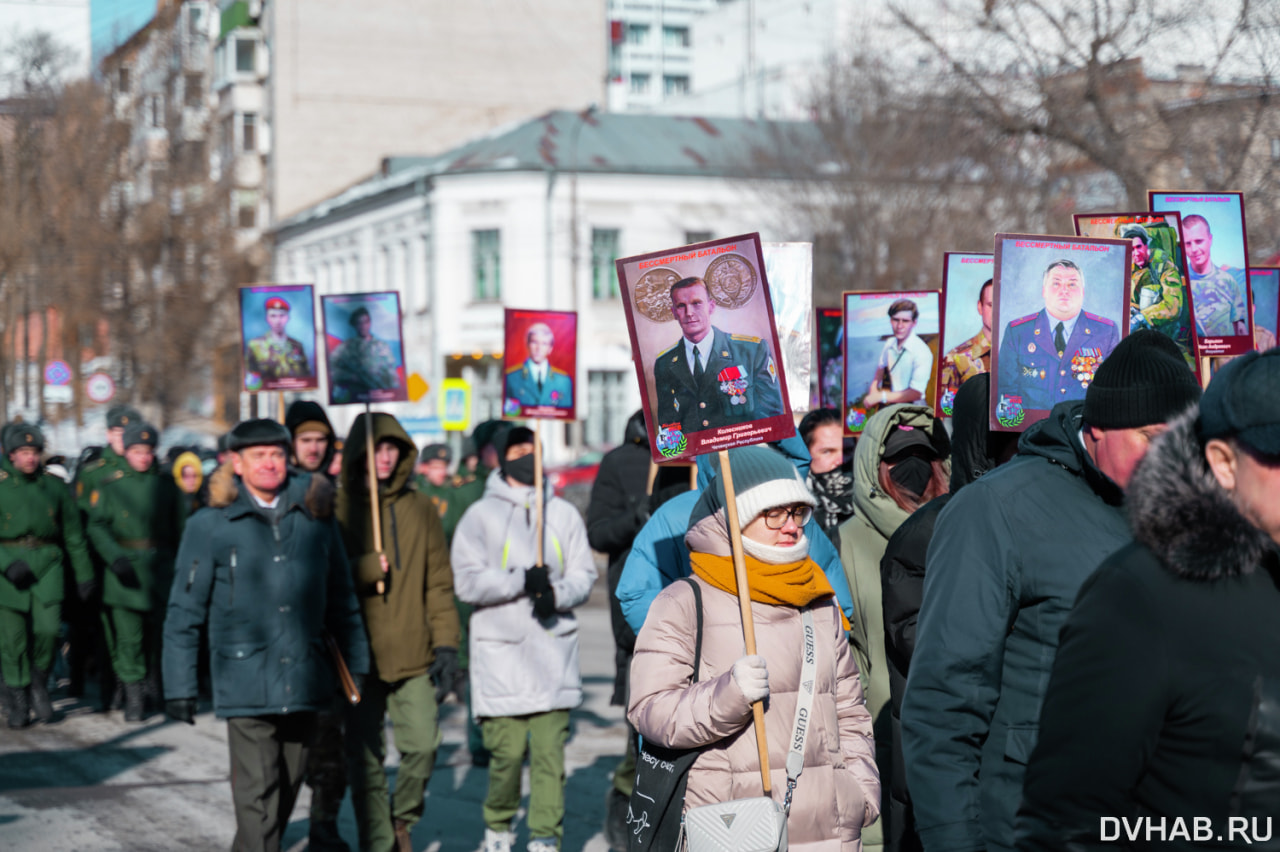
<point x="276" y="303"/>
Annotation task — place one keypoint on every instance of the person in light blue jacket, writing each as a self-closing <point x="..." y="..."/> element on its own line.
<point x="659" y="557"/>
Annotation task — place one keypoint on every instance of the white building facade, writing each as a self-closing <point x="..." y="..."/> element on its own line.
<point x="492" y="225"/>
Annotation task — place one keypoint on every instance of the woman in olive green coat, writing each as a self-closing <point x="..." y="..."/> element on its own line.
<point x="135" y="522"/>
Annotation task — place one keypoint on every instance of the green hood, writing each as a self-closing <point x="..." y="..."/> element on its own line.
<point x="354" y="478"/>
<point x="868" y="500"/>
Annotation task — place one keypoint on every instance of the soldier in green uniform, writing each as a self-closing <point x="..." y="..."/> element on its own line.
<point x="432" y="478"/>
<point x="85" y="626"/>
<point x="1156" y="294"/>
<point x="362" y="363"/>
<point x="276" y="355"/>
<point x="135" y="522"/>
<point x="38" y="524"/>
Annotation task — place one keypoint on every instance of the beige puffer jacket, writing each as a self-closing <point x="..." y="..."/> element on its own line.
<point x="839" y="790"/>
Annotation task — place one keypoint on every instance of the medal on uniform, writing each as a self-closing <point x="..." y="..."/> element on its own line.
<point x="733" y="381"/>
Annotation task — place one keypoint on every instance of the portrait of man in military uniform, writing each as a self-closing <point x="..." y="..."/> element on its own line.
<point x="1157" y="293"/>
<point x="1051" y="355"/>
<point x="534" y="382"/>
<point x="1218" y="292"/>
<point x="278" y="329"/>
<point x="364" y="367"/>
<point x="712" y="378"/>
<point x="970" y="357"/>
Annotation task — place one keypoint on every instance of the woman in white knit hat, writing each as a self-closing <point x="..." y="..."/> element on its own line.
<point x="838" y="791"/>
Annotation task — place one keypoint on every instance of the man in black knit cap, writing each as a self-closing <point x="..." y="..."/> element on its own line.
<point x="1008" y="555"/>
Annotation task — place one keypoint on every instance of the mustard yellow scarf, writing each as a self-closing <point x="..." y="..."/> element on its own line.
<point x="789" y="584"/>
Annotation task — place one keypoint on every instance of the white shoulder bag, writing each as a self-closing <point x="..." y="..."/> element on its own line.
<point x="759" y="824"/>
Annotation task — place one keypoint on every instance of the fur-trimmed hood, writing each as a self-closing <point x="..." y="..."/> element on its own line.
<point x="1180" y="512"/>
<point x="316" y="495"/>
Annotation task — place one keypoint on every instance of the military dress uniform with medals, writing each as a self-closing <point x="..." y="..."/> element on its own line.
<point x="135" y="523"/>
<point x="738" y="382"/>
<point x="1036" y="368"/>
<point x="39" y="528"/>
<point x="555" y="391"/>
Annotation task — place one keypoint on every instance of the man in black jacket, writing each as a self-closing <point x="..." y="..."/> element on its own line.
<point x="1006" y="561"/>
<point x="1161" y="724"/>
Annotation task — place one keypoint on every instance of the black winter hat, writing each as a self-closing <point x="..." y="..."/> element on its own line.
<point x="1243" y="402"/>
<point x="516" y="435"/>
<point x="19" y="435"/>
<point x="432" y="452"/>
<point x="258" y="433"/>
<point x="140" y="432"/>
<point x="304" y="412"/>
<point x="1145" y="380"/>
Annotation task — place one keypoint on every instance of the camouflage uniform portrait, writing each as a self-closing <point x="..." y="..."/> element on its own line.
<point x="363" y="363"/>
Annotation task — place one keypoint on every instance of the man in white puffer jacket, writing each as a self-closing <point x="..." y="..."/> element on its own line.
<point x="524" y="639"/>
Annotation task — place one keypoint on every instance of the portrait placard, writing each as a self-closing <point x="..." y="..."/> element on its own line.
<point x="1159" y="297"/>
<point x="890" y="351"/>
<point x="829" y="339"/>
<point x="278" y="337"/>
<point x="364" y="347"/>
<point x="966" y="309"/>
<point x="789" y="270"/>
<point x="706" y="349"/>
<point x="1061" y="306"/>
<point x="1264" y="300"/>
<point x="1217" y="251"/>
<point x="539" y="364"/>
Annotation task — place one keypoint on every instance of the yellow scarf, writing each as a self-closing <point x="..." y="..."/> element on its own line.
<point x="789" y="584"/>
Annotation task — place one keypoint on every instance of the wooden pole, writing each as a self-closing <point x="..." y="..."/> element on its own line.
<point x="693" y="477"/>
<point x="280" y="396"/>
<point x="653" y="476"/>
<point x="744" y="602"/>
<point x="537" y="486"/>
<point x="381" y="585"/>
<point x="1204" y="372"/>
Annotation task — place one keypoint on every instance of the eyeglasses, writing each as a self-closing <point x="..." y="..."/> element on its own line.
<point x="776" y="519"/>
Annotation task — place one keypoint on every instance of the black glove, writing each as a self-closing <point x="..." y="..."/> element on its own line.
<point x="536" y="581"/>
<point x="123" y="569"/>
<point x="20" y="574"/>
<point x="181" y="710"/>
<point x="544" y="605"/>
<point x="444" y="672"/>
<point x="641" y="515"/>
<point x="87" y="589"/>
<point x="358" y="679"/>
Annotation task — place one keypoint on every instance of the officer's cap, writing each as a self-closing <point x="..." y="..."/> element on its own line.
<point x="140" y="432"/>
<point x="275" y="303"/>
<point x="434" y="452"/>
<point x="19" y="435"/>
<point x="120" y="416"/>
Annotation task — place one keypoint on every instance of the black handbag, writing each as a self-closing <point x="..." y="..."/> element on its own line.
<point x="662" y="774"/>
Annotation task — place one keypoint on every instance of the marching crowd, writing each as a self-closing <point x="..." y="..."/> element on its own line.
<point x="965" y="639"/>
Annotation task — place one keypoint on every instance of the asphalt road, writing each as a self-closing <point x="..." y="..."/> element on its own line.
<point x="91" y="783"/>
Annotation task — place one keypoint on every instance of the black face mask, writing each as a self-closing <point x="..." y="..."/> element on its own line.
<point x="912" y="474"/>
<point x="521" y="469"/>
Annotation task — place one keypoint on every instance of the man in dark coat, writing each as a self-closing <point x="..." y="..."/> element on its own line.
<point x="264" y="566"/>
<point x="975" y="450"/>
<point x="312" y="433"/>
<point x="1008" y="555"/>
<point x="1164" y="703"/>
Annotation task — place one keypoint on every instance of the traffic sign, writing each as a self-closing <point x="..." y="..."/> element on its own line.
<point x="417" y="387"/>
<point x="57" y="373"/>
<point x="100" y="387"/>
<point x="455" y="405"/>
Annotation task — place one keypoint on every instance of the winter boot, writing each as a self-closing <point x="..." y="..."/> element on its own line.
<point x="152" y="690"/>
<point x="324" y="837"/>
<point x="19" y="708"/>
<point x="134" y="701"/>
<point x="497" y="841"/>
<point x="40" y="702"/>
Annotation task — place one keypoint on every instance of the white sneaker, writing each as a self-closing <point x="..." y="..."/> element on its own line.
<point x="541" y="846"/>
<point x="497" y="841"/>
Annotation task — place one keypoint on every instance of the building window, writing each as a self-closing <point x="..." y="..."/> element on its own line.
<point x="248" y="133"/>
<point x="156" y="111"/>
<point x="195" y="18"/>
<point x="675" y="84"/>
<point x="1275" y="149"/>
<point x="610" y="398"/>
<point x="246" y="55"/>
<point x="192" y="90"/>
<point x="122" y="79"/>
<point x="696" y="237"/>
<point x="246" y="209"/>
<point x="486" y="261"/>
<point x="639" y="84"/>
<point x="604" y="251"/>
<point x="675" y="36"/>
<point x="637" y="34"/>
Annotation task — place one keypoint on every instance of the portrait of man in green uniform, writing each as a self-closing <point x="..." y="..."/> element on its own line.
<point x="278" y="329"/>
<point x="364" y="366"/>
